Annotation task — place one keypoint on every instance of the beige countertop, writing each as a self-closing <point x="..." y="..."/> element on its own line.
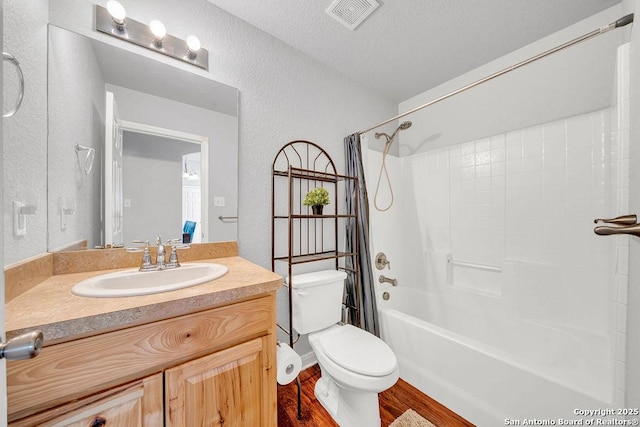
<point x="61" y="316"/>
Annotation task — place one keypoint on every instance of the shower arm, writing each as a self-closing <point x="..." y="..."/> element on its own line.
<point x="625" y="20"/>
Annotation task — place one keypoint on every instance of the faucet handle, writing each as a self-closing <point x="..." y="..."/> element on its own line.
<point x="177" y="244"/>
<point x="139" y="248"/>
<point x="146" y="256"/>
<point x="173" y="256"/>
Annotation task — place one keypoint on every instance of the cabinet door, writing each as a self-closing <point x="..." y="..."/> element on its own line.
<point x="227" y="388"/>
<point x="136" y="405"/>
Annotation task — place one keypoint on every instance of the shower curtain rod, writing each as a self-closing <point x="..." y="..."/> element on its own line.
<point x="625" y="20"/>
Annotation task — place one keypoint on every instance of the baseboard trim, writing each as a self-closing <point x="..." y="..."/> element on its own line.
<point x="308" y="360"/>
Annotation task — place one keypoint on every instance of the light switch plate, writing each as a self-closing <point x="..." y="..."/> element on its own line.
<point x="19" y="220"/>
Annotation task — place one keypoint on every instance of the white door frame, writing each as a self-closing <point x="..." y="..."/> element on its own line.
<point x="142" y="128"/>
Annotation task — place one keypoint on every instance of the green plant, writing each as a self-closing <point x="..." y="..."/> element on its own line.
<point x="317" y="196"/>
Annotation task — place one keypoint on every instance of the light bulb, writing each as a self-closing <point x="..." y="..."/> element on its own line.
<point x="193" y="46"/>
<point x="158" y="30"/>
<point x="117" y="12"/>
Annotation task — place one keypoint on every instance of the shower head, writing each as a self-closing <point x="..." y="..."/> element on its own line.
<point x="403" y="126"/>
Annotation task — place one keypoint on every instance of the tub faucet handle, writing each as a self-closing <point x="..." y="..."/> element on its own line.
<point x="382" y="261"/>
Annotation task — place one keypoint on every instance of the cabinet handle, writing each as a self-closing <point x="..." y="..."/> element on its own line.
<point x="99" y="422"/>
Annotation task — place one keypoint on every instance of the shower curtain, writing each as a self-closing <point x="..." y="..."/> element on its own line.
<point x="368" y="319"/>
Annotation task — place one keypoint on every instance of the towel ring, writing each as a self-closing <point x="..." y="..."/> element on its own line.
<point x="8" y="57"/>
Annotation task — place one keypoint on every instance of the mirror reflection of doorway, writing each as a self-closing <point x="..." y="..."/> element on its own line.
<point x="154" y="187"/>
<point x="146" y="194"/>
<point x="191" y="200"/>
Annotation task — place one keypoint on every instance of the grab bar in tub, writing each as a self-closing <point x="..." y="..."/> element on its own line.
<point x="472" y="265"/>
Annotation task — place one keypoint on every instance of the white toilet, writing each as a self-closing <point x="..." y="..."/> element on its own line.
<point x="356" y="365"/>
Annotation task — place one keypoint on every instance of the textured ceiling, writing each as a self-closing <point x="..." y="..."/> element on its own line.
<point x="408" y="46"/>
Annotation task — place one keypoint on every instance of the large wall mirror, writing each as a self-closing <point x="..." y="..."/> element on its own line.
<point x="136" y="148"/>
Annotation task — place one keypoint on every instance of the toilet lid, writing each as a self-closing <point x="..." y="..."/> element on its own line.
<point x="359" y="351"/>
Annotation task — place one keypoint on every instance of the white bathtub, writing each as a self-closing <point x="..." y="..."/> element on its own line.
<point x="479" y="366"/>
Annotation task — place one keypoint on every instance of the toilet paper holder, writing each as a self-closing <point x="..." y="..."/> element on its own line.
<point x="288" y="364"/>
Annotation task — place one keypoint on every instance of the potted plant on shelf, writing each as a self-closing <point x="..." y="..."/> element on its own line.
<point x="317" y="198"/>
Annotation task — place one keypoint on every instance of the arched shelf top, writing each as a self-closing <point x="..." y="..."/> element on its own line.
<point x="305" y="155"/>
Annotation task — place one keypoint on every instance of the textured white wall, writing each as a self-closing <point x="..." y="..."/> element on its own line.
<point x="25" y="134"/>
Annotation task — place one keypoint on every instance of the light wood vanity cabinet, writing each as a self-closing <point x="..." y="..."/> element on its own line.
<point x="215" y="367"/>
<point x="225" y="388"/>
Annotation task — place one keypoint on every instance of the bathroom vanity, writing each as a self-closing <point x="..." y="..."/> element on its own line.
<point x="203" y="355"/>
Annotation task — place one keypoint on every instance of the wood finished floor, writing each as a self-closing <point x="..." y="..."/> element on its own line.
<point x="393" y="403"/>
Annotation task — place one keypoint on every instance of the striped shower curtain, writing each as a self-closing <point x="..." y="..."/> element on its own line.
<point x="368" y="319"/>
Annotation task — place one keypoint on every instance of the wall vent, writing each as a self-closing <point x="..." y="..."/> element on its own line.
<point x="351" y="13"/>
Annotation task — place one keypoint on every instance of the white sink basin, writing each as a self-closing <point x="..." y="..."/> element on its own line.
<point x="132" y="282"/>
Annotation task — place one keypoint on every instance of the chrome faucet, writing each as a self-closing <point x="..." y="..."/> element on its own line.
<point x="160" y="257"/>
<point x="383" y="279"/>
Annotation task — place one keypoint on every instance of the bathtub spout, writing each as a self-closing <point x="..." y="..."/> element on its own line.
<point x="383" y="279"/>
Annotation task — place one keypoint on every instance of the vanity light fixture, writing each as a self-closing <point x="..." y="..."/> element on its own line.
<point x="118" y="14"/>
<point x="193" y="46"/>
<point x="113" y="20"/>
<point x="159" y="32"/>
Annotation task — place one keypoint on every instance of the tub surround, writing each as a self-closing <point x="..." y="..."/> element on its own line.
<point x="46" y="303"/>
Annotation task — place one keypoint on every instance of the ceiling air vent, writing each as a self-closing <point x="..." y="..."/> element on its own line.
<point x="351" y="13"/>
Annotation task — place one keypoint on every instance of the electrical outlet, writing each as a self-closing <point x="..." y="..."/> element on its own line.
<point x="218" y="201"/>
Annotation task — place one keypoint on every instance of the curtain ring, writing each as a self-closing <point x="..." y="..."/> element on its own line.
<point x="8" y="57"/>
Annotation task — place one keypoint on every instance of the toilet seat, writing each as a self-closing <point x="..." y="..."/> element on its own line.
<point x="358" y="351"/>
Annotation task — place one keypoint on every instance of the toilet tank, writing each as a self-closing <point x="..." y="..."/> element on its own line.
<point x="316" y="299"/>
